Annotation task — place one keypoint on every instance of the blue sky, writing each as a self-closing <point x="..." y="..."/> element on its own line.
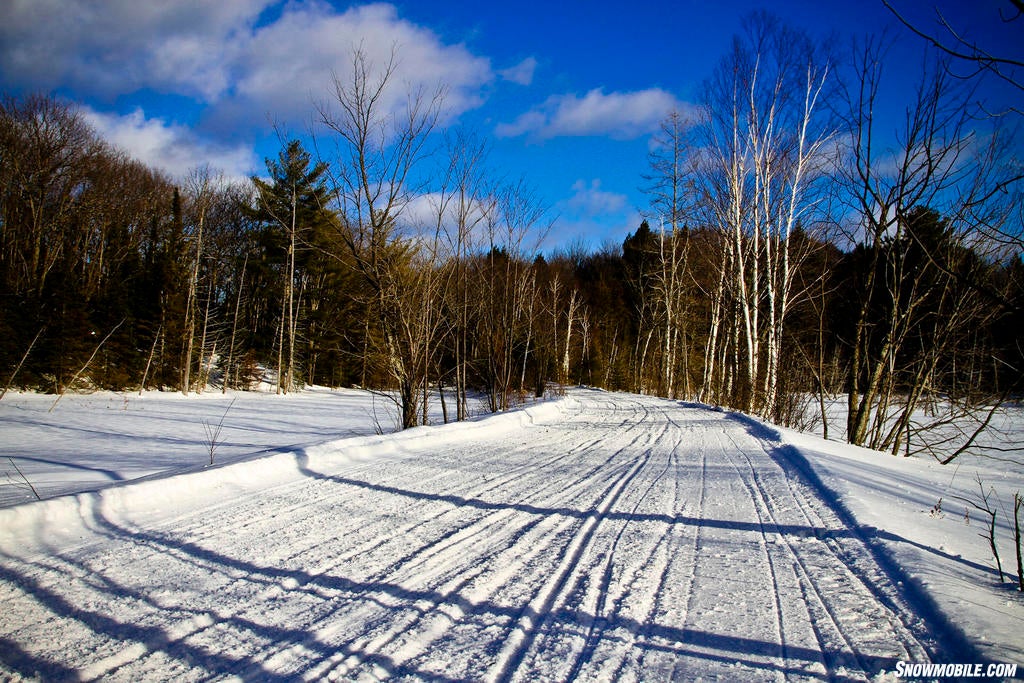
<point x="567" y="92"/>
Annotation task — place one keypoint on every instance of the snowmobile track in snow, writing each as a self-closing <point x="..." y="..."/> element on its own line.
<point x="631" y="538"/>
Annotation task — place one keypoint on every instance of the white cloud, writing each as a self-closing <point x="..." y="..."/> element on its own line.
<point x="118" y="46"/>
<point x="589" y="199"/>
<point x="174" y="149"/>
<point x="421" y="213"/>
<point x="521" y="73"/>
<point x="621" y="115"/>
<point x="291" y="62"/>
<point x="221" y="55"/>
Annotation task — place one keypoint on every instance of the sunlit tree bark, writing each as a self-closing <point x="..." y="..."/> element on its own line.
<point x="766" y="144"/>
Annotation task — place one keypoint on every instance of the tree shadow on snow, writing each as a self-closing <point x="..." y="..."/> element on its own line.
<point x="330" y="593"/>
<point x="939" y="629"/>
<point x="333" y="592"/>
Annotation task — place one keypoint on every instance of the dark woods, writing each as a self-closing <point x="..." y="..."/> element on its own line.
<point x="784" y="262"/>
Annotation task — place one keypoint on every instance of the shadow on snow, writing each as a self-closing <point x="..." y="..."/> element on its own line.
<point x="396" y="599"/>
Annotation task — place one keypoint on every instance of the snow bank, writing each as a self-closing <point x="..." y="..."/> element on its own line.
<point x="60" y="522"/>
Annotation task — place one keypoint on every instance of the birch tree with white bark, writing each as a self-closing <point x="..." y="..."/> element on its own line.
<point x="671" y="201"/>
<point x="766" y="142"/>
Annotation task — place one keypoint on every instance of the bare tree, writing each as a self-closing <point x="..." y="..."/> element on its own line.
<point x="47" y="149"/>
<point x="712" y="387"/>
<point x="462" y="205"/>
<point x="199" y="191"/>
<point x="974" y="62"/>
<point x="767" y="143"/>
<point x="979" y="58"/>
<point x="513" y="230"/>
<point x="378" y="148"/>
<point x="923" y="209"/>
<point x="640" y="252"/>
<point x="671" y="200"/>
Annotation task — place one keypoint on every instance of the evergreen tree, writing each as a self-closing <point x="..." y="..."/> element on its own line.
<point x="291" y="206"/>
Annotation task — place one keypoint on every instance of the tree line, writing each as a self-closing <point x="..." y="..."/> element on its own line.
<point x="793" y="249"/>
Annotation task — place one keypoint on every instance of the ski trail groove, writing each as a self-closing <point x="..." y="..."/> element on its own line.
<point x="525" y="630"/>
<point x="662" y="589"/>
<point x="632" y="538"/>
<point x="600" y="620"/>
<point x="827" y="559"/>
<point x="382" y="639"/>
<point x="766" y="518"/>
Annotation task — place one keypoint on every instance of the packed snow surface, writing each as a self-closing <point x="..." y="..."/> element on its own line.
<point x="598" y="537"/>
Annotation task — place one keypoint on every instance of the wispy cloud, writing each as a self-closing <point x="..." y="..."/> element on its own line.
<point x="429" y="211"/>
<point x="622" y="115"/>
<point x="172" y="148"/>
<point x="589" y="199"/>
<point x="592" y="215"/>
<point x="521" y="73"/>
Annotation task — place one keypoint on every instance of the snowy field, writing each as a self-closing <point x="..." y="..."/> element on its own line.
<point x="92" y="440"/>
<point x="597" y="537"/>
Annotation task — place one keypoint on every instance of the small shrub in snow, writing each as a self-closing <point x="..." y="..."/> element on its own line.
<point x="987" y="502"/>
<point x="212" y="439"/>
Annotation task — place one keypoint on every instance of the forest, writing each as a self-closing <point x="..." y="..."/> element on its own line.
<point x="795" y="250"/>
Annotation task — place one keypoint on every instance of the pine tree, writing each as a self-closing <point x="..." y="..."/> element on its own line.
<point x="291" y="205"/>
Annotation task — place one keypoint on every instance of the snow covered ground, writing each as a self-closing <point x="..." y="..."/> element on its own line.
<point x="91" y="440"/>
<point x="599" y="537"/>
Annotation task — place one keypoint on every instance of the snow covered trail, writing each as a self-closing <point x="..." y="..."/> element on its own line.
<point x="626" y="538"/>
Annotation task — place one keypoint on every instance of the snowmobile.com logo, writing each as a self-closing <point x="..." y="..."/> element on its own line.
<point x="931" y="671"/>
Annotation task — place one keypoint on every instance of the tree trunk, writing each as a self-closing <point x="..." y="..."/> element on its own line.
<point x="190" y="315"/>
